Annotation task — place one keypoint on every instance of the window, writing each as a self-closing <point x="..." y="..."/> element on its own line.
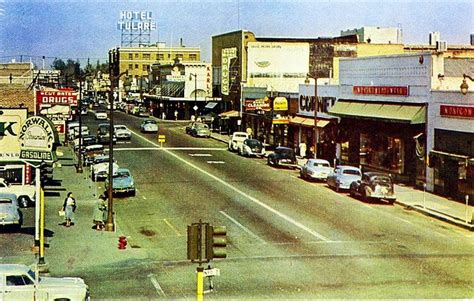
<point x="382" y="151"/>
<point x="130" y="66"/>
<point x="16" y="280"/>
<point x="146" y="56"/>
<point x="193" y="57"/>
<point x="160" y="56"/>
<point x="130" y="56"/>
<point x="136" y="66"/>
<point x="179" y="55"/>
<point x="136" y="55"/>
<point x="145" y="67"/>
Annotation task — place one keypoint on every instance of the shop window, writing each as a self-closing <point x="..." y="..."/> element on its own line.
<point x="345" y="151"/>
<point x="382" y="152"/>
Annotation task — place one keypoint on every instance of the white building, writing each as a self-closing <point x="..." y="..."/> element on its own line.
<point x="376" y="35"/>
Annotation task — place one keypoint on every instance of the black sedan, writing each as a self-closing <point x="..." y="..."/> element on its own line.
<point x="374" y="185"/>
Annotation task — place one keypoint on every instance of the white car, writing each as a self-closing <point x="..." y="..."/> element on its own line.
<point x="19" y="282"/>
<point x="122" y="132"/>
<point x="315" y="169"/>
<point x="100" y="168"/>
<point x="149" y="125"/>
<point x="252" y="147"/>
<point x="24" y="193"/>
<point x="100" y="115"/>
<point x="236" y="140"/>
<point x="343" y="176"/>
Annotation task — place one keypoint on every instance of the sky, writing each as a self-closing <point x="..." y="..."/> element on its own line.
<point x="84" y="29"/>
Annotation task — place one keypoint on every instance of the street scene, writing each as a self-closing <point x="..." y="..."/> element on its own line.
<point x="254" y="164"/>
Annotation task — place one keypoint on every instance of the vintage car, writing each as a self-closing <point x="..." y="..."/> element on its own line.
<point x="90" y="152"/>
<point x="343" y="176"/>
<point x="200" y="130"/>
<point x="100" y="168"/>
<point x="374" y="185"/>
<point x="149" y="126"/>
<point x="315" y="169"/>
<point x="236" y="140"/>
<point x="251" y="147"/>
<point x="122" y="182"/>
<point x="10" y="214"/>
<point x="86" y="140"/>
<point x="24" y="193"/>
<point x="103" y="134"/>
<point x="100" y="115"/>
<point x="282" y="156"/>
<point x="122" y="132"/>
<point x="19" y="282"/>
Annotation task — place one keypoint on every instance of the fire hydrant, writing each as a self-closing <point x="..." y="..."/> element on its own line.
<point x="122" y="243"/>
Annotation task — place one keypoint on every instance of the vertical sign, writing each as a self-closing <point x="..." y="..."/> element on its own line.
<point x="227" y="55"/>
<point x="208" y="81"/>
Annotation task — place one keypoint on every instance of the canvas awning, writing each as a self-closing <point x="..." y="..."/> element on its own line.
<point x="388" y="112"/>
<point x="211" y="105"/>
<point x="229" y="114"/>
<point x="308" y="122"/>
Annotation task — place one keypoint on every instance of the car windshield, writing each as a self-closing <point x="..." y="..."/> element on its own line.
<point x="253" y="143"/>
<point x="101" y="160"/>
<point x="122" y="174"/>
<point x="321" y="164"/>
<point x="240" y="135"/>
<point x="120" y="127"/>
<point x="287" y="152"/>
<point x="201" y="126"/>
<point x="381" y="180"/>
<point x="150" y="122"/>
<point x="351" y="172"/>
<point x="5" y="201"/>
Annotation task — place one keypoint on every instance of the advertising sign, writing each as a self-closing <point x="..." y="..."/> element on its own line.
<point x="456" y="111"/>
<point x="258" y="104"/>
<point x="136" y="20"/>
<point x="56" y="106"/>
<point x="381" y="90"/>
<point x="227" y="55"/>
<point x="10" y="126"/>
<point x="280" y="104"/>
<point x="37" y="139"/>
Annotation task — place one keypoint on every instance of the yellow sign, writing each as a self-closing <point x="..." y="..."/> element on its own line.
<point x="161" y="138"/>
<point x="280" y="104"/>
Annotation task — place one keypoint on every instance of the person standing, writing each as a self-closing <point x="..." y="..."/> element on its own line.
<point x="302" y="147"/>
<point x="69" y="208"/>
<point x="100" y="213"/>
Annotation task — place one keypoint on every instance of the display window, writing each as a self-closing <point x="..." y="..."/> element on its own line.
<point x="382" y="151"/>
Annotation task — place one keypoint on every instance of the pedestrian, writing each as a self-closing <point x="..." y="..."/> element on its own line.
<point x="69" y="207"/>
<point x="100" y="213"/>
<point x="302" y="149"/>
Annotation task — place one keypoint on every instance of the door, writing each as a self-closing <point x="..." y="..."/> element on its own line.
<point x="451" y="178"/>
<point x="18" y="287"/>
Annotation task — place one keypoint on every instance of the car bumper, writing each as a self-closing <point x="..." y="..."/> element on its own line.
<point x="124" y="190"/>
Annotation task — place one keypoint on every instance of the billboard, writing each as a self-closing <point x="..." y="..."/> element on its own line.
<point x="10" y="127"/>
<point x="56" y="106"/>
<point x="279" y="66"/>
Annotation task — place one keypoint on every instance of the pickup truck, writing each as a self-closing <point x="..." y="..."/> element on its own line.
<point x="24" y="193"/>
<point x="19" y="282"/>
<point x="236" y="140"/>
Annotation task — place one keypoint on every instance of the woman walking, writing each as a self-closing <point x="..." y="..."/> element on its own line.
<point x="69" y="207"/>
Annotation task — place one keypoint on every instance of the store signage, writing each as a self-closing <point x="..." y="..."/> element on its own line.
<point x="227" y="55"/>
<point x="280" y="104"/>
<point x="56" y="97"/>
<point x="208" y="80"/>
<point x="136" y="20"/>
<point x="10" y="126"/>
<point x="37" y="138"/>
<point x="456" y="111"/>
<point x="381" y="90"/>
<point x="257" y="104"/>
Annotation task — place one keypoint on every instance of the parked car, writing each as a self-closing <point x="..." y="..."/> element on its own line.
<point x="24" y="193"/>
<point x="122" y="182"/>
<point x="149" y="126"/>
<point x="190" y="127"/>
<point x="100" y="115"/>
<point x="86" y="140"/>
<point x="103" y="134"/>
<point x="236" y="140"/>
<point x="342" y="177"/>
<point x="19" y="282"/>
<point x="100" y="168"/>
<point x="374" y="185"/>
<point x="92" y="151"/>
<point x="122" y="132"/>
<point x="251" y="147"/>
<point x="141" y="112"/>
<point x="74" y="132"/>
<point x="315" y="169"/>
<point x="10" y="214"/>
<point x="282" y="156"/>
<point x="200" y="130"/>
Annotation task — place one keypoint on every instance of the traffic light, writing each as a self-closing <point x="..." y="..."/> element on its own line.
<point x="216" y="242"/>
<point x="193" y="242"/>
<point x="46" y="173"/>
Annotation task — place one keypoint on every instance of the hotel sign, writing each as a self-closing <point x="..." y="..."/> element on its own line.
<point x="136" y="20"/>
<point x="456" y="111"/>
<point x="381" y="90"/>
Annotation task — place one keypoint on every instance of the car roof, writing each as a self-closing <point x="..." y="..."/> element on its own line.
<point x="348" y="167"/>
<point x="319" y="160"/>
<point x="283" y="148"/>
<point x="9" y="268"/>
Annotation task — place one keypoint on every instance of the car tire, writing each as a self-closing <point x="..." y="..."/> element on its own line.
<point x="337" y="188"/>
<point x="23" y="201"/>
<point x="133" y="193"/>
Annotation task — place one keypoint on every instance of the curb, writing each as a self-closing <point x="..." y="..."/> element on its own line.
<point x="443" y="217"/>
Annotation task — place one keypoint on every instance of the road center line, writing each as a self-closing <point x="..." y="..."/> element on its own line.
<point x="172" y="227"/>
<point x="167" y="148"/>
<point x="242" y="227"/>
<point x="251" y="198"/>
<point x="157" y="285"/>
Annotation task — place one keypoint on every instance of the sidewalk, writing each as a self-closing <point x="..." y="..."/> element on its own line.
<point x="423" y="202"/>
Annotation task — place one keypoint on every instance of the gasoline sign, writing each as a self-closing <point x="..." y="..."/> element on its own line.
<point x="37" y="139"/>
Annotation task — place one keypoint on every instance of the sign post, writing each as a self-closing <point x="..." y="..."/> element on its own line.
<point x="161" y="140"/>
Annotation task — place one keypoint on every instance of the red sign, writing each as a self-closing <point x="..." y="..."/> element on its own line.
<point x="257" y="104"/>
<point x="56" y="97"/>
<point x="456" y="111"/>
<point x="381" y="90"/>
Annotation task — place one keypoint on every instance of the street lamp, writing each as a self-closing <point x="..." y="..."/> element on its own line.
<point x="316" y="109"/>
<point x="109" y="226"/>
<point x="464" y="87"/>
<point x="195" y="92"/>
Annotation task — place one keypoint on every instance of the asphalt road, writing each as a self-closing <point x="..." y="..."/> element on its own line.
<point x="287" y="238"/>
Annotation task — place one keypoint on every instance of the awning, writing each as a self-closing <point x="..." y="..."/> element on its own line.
<point x="456" y="157"/>
<point x="229" y="114"/>
<point x="398" y="113"/>
<point x="308" y="122"/>
<point x="211" y="105"/>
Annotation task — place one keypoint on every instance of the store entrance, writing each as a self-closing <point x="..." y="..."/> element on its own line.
<point x="450" y="175"/>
